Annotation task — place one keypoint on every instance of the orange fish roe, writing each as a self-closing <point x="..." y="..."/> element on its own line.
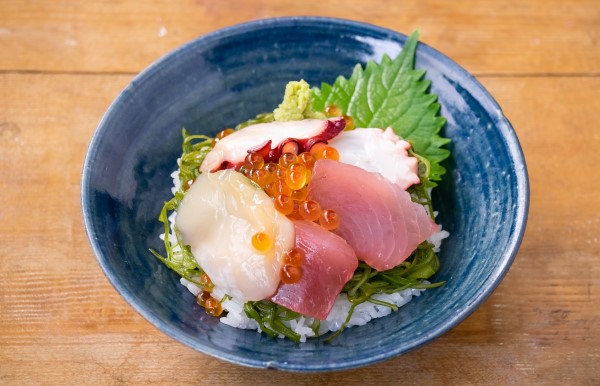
<point x="296" y="176"/>
<point x="309" y="210"/>
<point x="349" y="123"/>
<point x="290" y="274"/>
<point x="280" y="172"/>
<point x="262" y="177"/>
<point x="287" y="159"/>
<point x="332" y="111"/>
<point x="294" y="257"/>
<point x="202" y="298"/>
<point x="271" y="167"/>
<point x="307" y="160"/>
<point x="286" y="182"/>
<point x="284" y="204"/>
<point x="213" y="307"/>
<point x="300" y="194"/>
<point x="316" y="149"/>
<point x="222" y="134"/>
<point x="206" y="283"/>
<point x="280" y="187"/>
<point x="262" y="242"/>
<point x="329" y="219"/>
<point x="254" y="161"/>
<point x="327" y="152"/>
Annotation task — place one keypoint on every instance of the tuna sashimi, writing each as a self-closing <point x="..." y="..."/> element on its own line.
<point x="329" y="262"/>
<point x="377" y="218"/>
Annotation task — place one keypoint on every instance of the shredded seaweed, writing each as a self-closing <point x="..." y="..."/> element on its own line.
<point x="179" y="257"/>
<point x="270" y="318"/>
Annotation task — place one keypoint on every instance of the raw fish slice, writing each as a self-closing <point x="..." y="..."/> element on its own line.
<point x="329" y="262"/>
<point x="218" y="217"/>
<point x="377" y="218"/>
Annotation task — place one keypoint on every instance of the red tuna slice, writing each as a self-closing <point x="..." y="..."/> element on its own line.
<point x="329" y="262"/>
<point x="377" y="218"/>
<point x="268" y="139"/>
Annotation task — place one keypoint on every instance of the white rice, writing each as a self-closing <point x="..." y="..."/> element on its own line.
<point x="363" y="313"/>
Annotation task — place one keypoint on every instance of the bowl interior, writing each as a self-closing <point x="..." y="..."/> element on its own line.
<point x="232" y="75"/>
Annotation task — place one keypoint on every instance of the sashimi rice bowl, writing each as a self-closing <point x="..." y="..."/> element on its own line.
<point x="291" y="219"/>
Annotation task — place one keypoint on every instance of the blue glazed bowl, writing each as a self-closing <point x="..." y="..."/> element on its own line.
<point x="233" y="74"/>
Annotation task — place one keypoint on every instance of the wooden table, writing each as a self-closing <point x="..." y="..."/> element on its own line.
<point x="61" y="63"/>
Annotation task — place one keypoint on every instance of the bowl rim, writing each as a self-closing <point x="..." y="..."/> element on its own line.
<point x="490" y="105"/>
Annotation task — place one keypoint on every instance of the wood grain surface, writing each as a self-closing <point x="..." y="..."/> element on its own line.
<point x="62" y="63"/>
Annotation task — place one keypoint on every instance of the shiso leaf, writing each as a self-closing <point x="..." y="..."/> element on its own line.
<point x="394" y="94"/>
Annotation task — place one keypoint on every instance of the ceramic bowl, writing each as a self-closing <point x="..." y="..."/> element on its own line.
<point x="233" y="74"/>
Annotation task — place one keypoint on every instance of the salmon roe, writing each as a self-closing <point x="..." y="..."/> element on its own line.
<point x="349" y="123"/>
<point x="296" y="176"/>
<point x="284" y="204"/>
<point x="329" y="219"/>
<point x="309" y="210"/>
<point x="262" y="242"/>
<point x="300" y="194"/>
<point x="290" y="274"/>
<point x="202" y="298"/>
<point x="262" y="177"/>
<point x="287" y="159"/>
<point x="254" y="161"/>
<point x="213" y="307"/>
<point x="307" y="160"/>
<point x="327" y="152"/>
<point x="332" y="111"/>
<point x="222" y="134"/>
<point x="206" y="283"/>
<point x="294" y="257"/>
<point x="316" y="149"/>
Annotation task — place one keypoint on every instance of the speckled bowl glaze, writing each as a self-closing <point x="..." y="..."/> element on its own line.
<point x="233" y="74"/>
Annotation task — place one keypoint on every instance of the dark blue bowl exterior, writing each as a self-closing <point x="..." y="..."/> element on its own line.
<point x="231" y="75"/>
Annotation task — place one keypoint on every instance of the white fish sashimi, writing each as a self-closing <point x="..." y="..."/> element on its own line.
<point x="218" y="217"/>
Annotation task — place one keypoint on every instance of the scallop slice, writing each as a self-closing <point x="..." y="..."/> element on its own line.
<point x="218" y="217"/>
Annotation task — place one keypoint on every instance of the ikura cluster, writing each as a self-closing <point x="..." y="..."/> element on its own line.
<point x="286" y="182"/>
